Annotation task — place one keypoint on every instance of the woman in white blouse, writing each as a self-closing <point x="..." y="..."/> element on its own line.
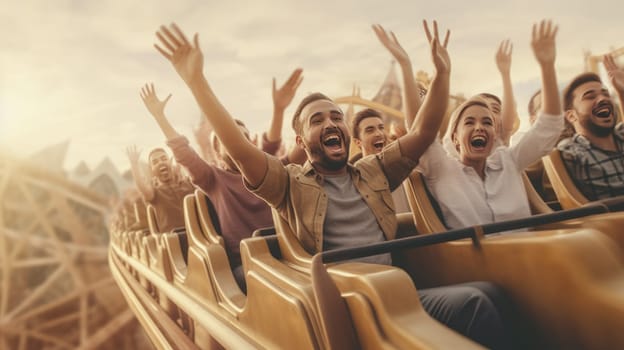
<point x="474" y="181"/>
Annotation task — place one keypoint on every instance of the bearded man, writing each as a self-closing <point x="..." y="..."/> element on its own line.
<point x="594" y="156"/>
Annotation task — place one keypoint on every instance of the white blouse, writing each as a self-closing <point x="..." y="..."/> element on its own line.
<point x="465" y="199"/>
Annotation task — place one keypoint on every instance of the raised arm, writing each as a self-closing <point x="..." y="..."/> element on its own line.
<point x="509" y="113"/>
<point x="143" y="185"/>
<point x="188" y="61"/>
<point x="429" y="118"/>
<point x="616" y="76"/>
<point x="412" y="95"/>
<point x="543" y="44"/>
<point x="282" y="98"/>
<point x="156" y="108"/>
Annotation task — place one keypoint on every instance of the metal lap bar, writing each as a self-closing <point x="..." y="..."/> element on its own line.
<point x="598" y="207"/>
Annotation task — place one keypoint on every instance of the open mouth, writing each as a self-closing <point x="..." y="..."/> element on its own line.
<point x="163" y="170"/>
<point x="379" y="145"/>
<point x="604" y="110"/>
<point x="478" y="142"/>
<point x="332" y="142"/>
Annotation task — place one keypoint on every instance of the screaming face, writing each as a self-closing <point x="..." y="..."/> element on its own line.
<point x="593" y="110"/>
<point x="325" y="136"/>
<point x="372" y="137"/>
<point x="475" y="134"/>
<point x="160" y="163"/>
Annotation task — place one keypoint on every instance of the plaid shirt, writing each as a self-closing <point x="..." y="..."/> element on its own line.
<point x="598" y="173"/>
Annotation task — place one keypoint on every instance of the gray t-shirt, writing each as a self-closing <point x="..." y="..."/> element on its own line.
<point x="349" y="221"/>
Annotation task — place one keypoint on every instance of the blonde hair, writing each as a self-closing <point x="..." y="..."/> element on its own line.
<point x="448" y="140"/>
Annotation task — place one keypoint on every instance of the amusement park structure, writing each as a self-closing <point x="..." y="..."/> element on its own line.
<point x="56" y="289"/>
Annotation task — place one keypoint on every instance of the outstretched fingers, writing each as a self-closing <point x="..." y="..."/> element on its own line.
<point x="609" y="63"/>
<point x="172" y="39"/>
<point x="144" y="92"/>
<point x="505" y="47"/>
<point x="436" y="35"/>
<point x="544" y="30"/>
<point x="295" y="78"/>
<point x="427" y="32"/>
<point x="446" y="38"/>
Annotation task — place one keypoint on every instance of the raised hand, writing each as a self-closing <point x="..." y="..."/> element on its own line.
<point x="503" y="56"/>
<point x="133" y="154"/>
<point x="543" y="42"/>
<point x="440" y="56"/>
<point x="283" y="96"/>
<point x="391" y="43"/>
<point x="616" y="74"/>
<point x="187" y="58"/>
<point x="155" y="106"/>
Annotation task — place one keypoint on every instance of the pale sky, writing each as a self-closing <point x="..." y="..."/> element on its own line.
<point x="72" y="69"/>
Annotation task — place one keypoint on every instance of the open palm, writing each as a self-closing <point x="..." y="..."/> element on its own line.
<point x="616" y="74"/>
<point x="285" y="94"/>
<point x="155" y="106"/>
<point x="187" y="58"/>
<point x="543" y="42"/>
<point x="391" y="43"/>
<point x="503" y="56"/>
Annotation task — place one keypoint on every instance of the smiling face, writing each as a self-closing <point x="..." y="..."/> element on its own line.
<point x="371" y="138"/>
<point x="324" y="136"/>
<point x="160" y="164"/>
<point x="475" y="134"/>
<point x="592" y="110"/>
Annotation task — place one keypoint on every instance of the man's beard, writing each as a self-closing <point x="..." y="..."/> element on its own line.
<point x="598" y="130"/>
<point x="324" y="161"/>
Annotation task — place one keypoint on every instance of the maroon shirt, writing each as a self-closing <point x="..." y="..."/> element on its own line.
<point x="240" y="212"/>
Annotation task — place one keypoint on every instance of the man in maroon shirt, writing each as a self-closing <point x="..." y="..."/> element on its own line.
<point x="239" y="211"/>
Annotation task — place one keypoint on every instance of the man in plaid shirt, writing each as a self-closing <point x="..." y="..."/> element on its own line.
<point x="594" y="156"/>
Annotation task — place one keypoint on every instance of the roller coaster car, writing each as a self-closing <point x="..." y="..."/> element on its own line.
<point x="383" y="305"/>
<point x="568" y="194"/>
<point x="568" y="280"/>
<point x="275" y="290"/>
<point x="272" y="288"/>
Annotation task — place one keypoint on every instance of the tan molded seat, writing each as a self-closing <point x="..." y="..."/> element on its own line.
<point x="208" y="264"/>
<point x="291" y="249"/>
<point x="386" y="311"/>
<point x="568" y="283"/>
<point x="208" y="219"/>
<point x="140" y="213"/>
<point x="151" y="220"/>
<point x="567" y="193"/>
<point x="536" y="202"/>
<point x="427" y="215"/>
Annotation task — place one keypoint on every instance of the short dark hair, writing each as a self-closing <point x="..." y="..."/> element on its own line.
<point x="531" y="105"/>
<point x="157" y="149"/>
<point x="487" y="95"/>
<point x="568" y="92"/>
<point x="361" y="115"/>
<point x="296" y="122"/>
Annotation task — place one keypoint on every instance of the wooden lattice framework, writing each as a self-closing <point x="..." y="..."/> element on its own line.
<point x="56" y="290"/>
